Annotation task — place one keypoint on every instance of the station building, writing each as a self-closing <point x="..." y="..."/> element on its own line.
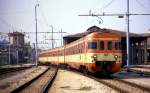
<point x="17" y="51"/>
<point x="139" y="44"/>
<point x="3" y="49"/>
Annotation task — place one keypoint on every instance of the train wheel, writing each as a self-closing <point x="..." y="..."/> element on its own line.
<point x="80" y="69"/>
<point x="68" y="67"/>
<point x="84" y="70"/>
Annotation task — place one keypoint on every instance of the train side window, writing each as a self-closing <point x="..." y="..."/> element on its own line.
<point x="92" y="45"/>
<point x="102" y="45"/>
<point x="109" y="45"/>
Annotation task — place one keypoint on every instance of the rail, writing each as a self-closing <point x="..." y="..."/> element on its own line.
<point x="9" y="70"/>
<point x="44" y="88"/>
<point x="119" y="85"/>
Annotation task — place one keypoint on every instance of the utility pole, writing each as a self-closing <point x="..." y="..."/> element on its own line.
<point x="52" y="37"/>
<point x="36" y="55"/>
<point x="128" y="14"/>
<point x="128" y="35"/>
<point x="17" y="52"/>
<point x="41" y="32"/>
<point x="47" y="32"/>
<point x="9" y="59"/>
<point x="61" y="38"/>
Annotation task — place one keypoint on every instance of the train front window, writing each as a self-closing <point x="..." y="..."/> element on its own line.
<point x="117" y="45"/>
<point x="109" y="45"/>
<point x="102" y="45"/>
<point x="92" y="45"/>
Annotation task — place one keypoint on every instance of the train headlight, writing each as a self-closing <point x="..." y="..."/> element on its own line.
<point x="94" y="58"/>
<point x="116" y="56"/>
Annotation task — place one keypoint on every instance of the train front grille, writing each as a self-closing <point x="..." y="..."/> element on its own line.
<point x="104" y="65"/>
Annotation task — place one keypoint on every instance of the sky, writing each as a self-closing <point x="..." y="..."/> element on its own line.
<point x="18" y="15"/>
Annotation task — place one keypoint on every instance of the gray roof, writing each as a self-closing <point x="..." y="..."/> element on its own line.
<point x="97" y="29"/>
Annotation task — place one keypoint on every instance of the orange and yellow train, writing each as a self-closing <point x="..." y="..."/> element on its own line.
<point x="98" y="52"/>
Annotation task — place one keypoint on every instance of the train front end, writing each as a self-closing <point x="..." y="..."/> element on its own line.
<point x="104" y="52"/>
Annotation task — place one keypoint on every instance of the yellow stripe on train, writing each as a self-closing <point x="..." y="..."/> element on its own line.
<point x="82" y="58"/>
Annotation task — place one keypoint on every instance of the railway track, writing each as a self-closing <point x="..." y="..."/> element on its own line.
<point x="119" y="85"/>
<point x="145" y="67"/>
<point x="124" y="86"/>
<point x="9" y="70"/>
<point x="140" y="70"/>
<point x="39" y="84"/>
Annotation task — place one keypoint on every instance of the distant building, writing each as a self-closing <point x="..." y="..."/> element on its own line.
<point x="19" y="51"/>
<point x="148" y="49"/>
<point x="15" y="50"/>
<point x="3" y="50"/>
<point x="16" y="39"/>
<point x="3" y="57"/>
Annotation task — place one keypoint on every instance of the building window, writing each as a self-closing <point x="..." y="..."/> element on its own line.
<point x="15" y="38"/>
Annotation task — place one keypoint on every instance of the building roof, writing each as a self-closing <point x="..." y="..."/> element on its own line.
<point x="16" y="34"/>
<point x="97" y="29"/>
<point x="134" y="36"/>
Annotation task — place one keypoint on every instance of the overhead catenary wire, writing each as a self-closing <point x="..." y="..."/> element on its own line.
<point x="43" y="16"/>
<point x="128" y="14"/>
<point x="12" y="13"/>
<point x="37" y="1"/>
<point x="143" y="6"/>
<point x="100" y="21"/>
<point x="6" y="23"/>
<point x="15" y="12"/>
<point x="44" y="20"/>
<point x="47" y="24"/>
<point x="105" y="6"/>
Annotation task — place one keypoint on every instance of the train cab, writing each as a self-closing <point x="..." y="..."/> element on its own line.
<point x="104" y="52"/>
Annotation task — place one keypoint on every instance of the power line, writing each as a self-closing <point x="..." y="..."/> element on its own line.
<point x="14" y="12"/>
<point x="142" y="6"/>
<point x="128" y="14"/>
<point x="41" y="32"/>
<point x="6" y="23"/>
<point x="37" y="0"/>
<point x="43" y="16"/>
<point x="107" y="5"/>
<point x="104" y="14"/>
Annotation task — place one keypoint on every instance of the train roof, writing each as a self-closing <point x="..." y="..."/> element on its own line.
<point x="70" y="38"/>
<point x="97" y="29"/>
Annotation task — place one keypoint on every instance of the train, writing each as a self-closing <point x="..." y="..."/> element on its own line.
<point x="97" y="52"/>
